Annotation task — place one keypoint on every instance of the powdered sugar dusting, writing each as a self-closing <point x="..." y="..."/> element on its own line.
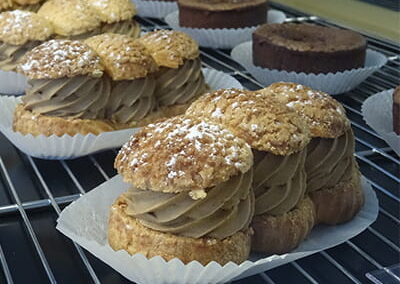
<point x="60" y="58"/>
<point x="190" y="147"/>
<point x="17" y="27"/>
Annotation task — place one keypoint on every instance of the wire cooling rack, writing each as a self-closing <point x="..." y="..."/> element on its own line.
<point x="34" y="191"/>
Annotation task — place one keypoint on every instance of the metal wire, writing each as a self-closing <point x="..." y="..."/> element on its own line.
<point x="28" y="224"/>
<point x="387" y="77"/>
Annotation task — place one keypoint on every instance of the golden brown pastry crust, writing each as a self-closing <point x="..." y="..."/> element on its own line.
<point x="124" y="58"/>
<point x="281" y="234"/>
<point x="26" y="2"/>
<point x="18" y="27"/>
<point x="127" y="233"/>
<point x="70" y="17"/>
<point x="27" y="122"/>
<point x="340" y="203"/>
<point x="60" y="58"/>
<point x="325" y="116"/>
<point x="263" y="122"/>
<point x="182" y="155"/>
<point x="170" y="48"/>
<point x="5" y="4"/>
<point x="111" y="11"/>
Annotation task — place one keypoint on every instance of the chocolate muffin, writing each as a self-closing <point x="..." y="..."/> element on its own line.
<point x="307" y="48"/>
<point x="219" y="14"/>
<point x="396" y="110"/>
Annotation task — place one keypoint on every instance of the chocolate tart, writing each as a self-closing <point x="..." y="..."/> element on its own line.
<point x="307" y="48"/>
<point x="219" y="14"/>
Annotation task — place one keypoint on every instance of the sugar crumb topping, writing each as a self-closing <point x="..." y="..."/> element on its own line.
<point x="60" y="58"/>
<point x="325" y="115"/>
<point x="183" y="154"/>
<point x="18" y="27"/>
<point x="266" y="124"/>
<point x="170" y="48"/>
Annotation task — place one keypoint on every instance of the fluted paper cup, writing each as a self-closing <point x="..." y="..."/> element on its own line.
<point x="69" y="147"/>
<point x="12" y="83"/>
<point x="332" y="83"/>
<point x="378" y="114"/>
<point x="155" y="9"/>
<point x="221" y="38"/>
<point x="85" y="222"/>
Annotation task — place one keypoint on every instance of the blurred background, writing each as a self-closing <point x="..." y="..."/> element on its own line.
<point x="380" y="18"/>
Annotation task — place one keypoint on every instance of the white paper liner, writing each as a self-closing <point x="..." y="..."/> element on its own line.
<point x="85" y="222"/>
<point x="12" y="83"/>
<point x="155" y="9"/>
<point x="221" y="38"/>
<point x="332" y="83"/>
<point x="378" y="114"/>
<point x="69" y="147"/>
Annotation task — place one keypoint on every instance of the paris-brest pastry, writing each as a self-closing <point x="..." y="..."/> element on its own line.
<point x="20" y="31"/>
<point x="180" y="79"/>
<point x="284" y="215"/>
<point x="80" y="19"/>
<point x="333" y="178"/>
<point x="131" y="71"/>
<point x="66" y="92"/>
<point x="190" y="194"/>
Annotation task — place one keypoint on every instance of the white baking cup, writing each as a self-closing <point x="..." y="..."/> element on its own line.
<point x="221" y="38"/>
<point x="69" y="147"/>
<point x="378" y="114"/>
<point x="155" y="9"/>
<point x="85" y="222"/>
<point x="12" y="83"/>
<point x="332" y="83"/>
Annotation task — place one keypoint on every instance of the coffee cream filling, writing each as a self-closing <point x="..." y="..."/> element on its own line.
<point x="330" y="161"/>
<point x="79" y="97"/>
<point x="279" y="182"/>
<point x="11" y="55"/>
<point x="131" y="100"/>
<point x="227" y="209"/>
<point x="180" y="85"/>
<point x="128" y="27"/>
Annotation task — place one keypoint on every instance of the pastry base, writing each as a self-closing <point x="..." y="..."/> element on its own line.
<point x="26" y="122"/>
<point x="340" y="203"/>
<point x="126" y="233"/>
<point x="281" y="234"/>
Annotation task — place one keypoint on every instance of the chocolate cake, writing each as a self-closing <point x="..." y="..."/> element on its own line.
<point x="307" y="48"/>
<point x="396" y="110"/>
<point x="214" y="14"/>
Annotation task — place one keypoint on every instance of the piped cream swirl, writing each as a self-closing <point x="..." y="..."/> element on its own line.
<point x="279" y="182"/>
<point x="131" y="100"/>
<point x="181" y="85"/>
<point x="129" y="27"/>
<point x="329" y="161"/>
<point x="228" y="208"/>
<point x="77" y="97"/>
<point x="11" y="55"/>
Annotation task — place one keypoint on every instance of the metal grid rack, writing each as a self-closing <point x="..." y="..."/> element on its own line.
<point x="33" y="191"/>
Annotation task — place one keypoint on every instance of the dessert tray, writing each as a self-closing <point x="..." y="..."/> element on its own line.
<point x="69" y="147"/>
<point x="85" y="221"/>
